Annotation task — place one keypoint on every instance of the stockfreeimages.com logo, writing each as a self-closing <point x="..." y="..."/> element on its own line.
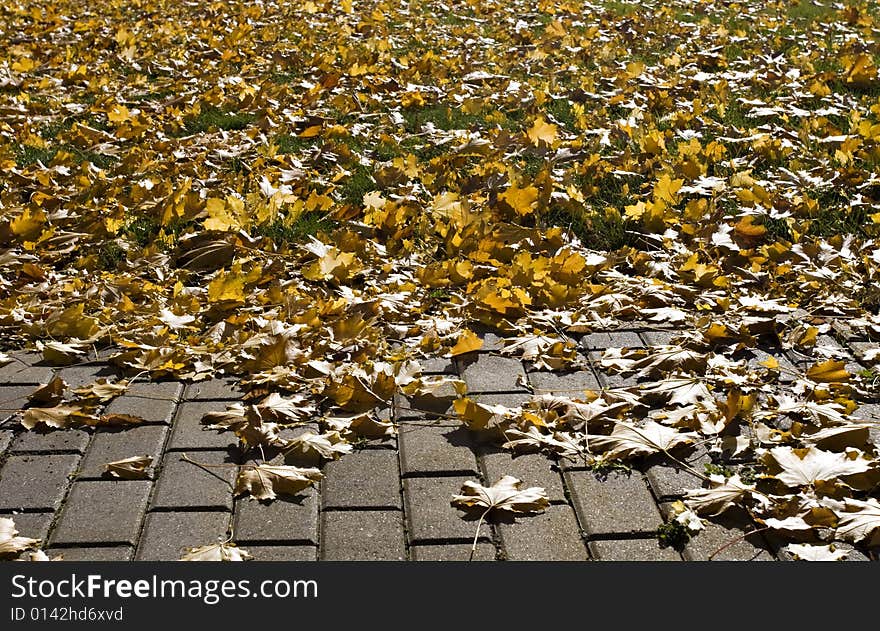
<point x="209" y="591"/>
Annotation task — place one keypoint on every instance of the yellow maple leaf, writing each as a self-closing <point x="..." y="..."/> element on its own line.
<point x="542" y="131"/>
<point x="219" y="217"/>
<point x="468" y="342"/>
<point x="521" y="200"/>
<point x="829" y="371"/>
<point x="226" y="286"/>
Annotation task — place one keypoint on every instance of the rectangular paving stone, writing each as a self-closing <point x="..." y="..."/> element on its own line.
<point x="189" y="433"/>
<point x="668" y="479"/>
<point x="631" y="550"/>
<point x="102" y="512"/>
<point x="787" y="370"/>
<point x="444" y="447"/>
<point x="51" y="440"/>
<point x="182" y="484"/>
<point x="286" y="519"/>
<point x="14" y="398"/>
<point x="510" y="399"/>
<point x="532" y="469"/>
<point x="570" y="384"/>
<point x="870" y="413"/>
<point x="35" y="481"/>
<point x="223" y="389"/>
<point x="111" y="445"/>
<point x="452" y="552"/>
<point x="160" y="390"/>
<point x="362" y="536"/>
<point x="33" y="525"/>
<point x="282" y="553"/>
<point x="22" y="370"/>
<point x="151" y="410"/>
<point x="364" y="478"/>
<point x="618" y="504"/>
<point x="429" y="513"/>
<point x="658" y="338"/>
<point x="601" y="340"/>
<point x="553" y="535"/>
<point x="719" y="532"/>
<point x="84" y="374"/>
<point x="438" y="366"/>
<point x="491" y="373"/>
<point x="168" y="536"/>
<point x="114" y="553"/>
<point x="427" y="406"/>
<point x="609" y="379"/>
<point x="6" y="437"/>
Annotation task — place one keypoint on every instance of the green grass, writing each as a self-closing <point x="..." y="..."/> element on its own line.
<point x="562" y="112"/>
<point x="442" y="116"/>
<point x="673" y="535"/>
<point x="215" y="118"/>
<point x="307" y="224"/>
<point x="26" y="155"/>
<point x="596" y="230"/>
<point x="110" y="255"/>
<point x="806" y="11"/>
<point x="353" y="188"/>
<point x="288" y="143"/>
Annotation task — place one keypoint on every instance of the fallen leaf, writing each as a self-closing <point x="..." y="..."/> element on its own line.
<point x="134" y="468"/>
<point x="265" y="482"/>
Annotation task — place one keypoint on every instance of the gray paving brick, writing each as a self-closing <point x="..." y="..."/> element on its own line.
<point x="6" y="437"/>
<point x="870" y="413"/>
<point x="111" y="445"/>
<point x="215" y="389"/>
<point x="102" y="512"/>
<point x="844" y="331"/>
<point x="282" y="553"/>
<point x="364" y="478"/>
<point x="659" y="338"/>
<point x="491" y="373"/>
<point x="35" y="482"/>
<point x="755" y="356"/>
<point x="442" y="447"/>
<point x="23" y="371"/>
<point x="168" y="536"/>
<point x="151" y="410"/>
<point x="288" y="519"/>
<point x="51" y="440"/>
<point x="609" y="379"/>
<point x="430" y="515"/>
<point x="618" y="339"/>
<point x="721" y="531"/>
<point x="512" y="399"/>
<point x="632" y="550"/>
<point x="157" y="390"/>
<point x="492" y="342"/>
<point x="182" y="484"/>
<point x="13" y="398"/>
<point x="33" y="525"/>
<point x="438" y="366"/>
<point x="84" y="374"/>
<point x="532" y="469"/>
<point x="570" y="384"/>
<point x="618" y="504"/>
<point x="860" y="348"/>
<point x="437" y="403"/>
<point x="115" y="553"/>
<point x="362" y="536"/>
<point x="452" y="552"/>
<point x="189" y="433"/>
<point x="553" y="535"/>
<point x="669" y="480"/>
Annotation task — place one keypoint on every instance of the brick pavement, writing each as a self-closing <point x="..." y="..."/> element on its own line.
<point x="388" y="500"/>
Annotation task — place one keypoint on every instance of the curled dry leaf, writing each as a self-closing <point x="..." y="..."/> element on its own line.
<point x="807" y="552"/>
<point x="134" y="468"/>
<point x="722" y="495"/>
<point x="225" y="551"/>
<point x="504" y="495"/>
<point x="102" y="390"/>
<point x="800" y="467"/>
<point x="265" y="482"/>
<point x="50" y="393"/>
<point x="628" y="440"/>
<point x="310" y="448"/>
<point x="10" y="543"/>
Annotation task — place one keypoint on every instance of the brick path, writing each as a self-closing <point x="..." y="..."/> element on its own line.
<point x="387" y="500"/>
